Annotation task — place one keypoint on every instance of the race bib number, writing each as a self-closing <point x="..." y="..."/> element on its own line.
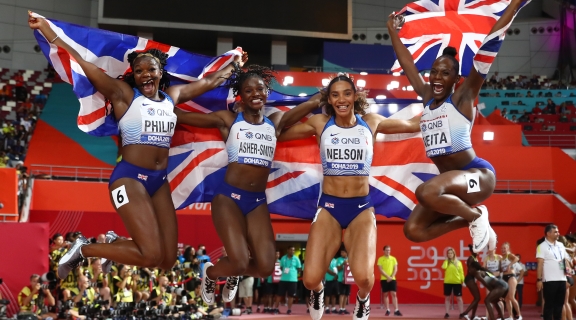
<point x="157" y="125"/>
<point x="120" y="197"/>
<point x="277" y="273"/>
<point x="346" y="153"/>
<point x="256" y="147"/>
<point x="436" y="136"/>
<point x="286" y="270"/>
<point x="473" y="182"/>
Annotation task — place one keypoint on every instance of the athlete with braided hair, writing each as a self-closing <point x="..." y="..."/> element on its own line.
<point x="138" y="186"/>
<point x="451" y="200"/>
<point x="239" y="208"/>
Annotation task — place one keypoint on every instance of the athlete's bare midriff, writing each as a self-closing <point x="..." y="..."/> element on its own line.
<point x="146" y="156"/>
<point x="455" y="161"/>
<point x="346" y="186"/>
<point x="247" y="177"/>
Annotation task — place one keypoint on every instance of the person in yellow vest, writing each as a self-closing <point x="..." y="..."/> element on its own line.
<point x="33" y="298"/>
<point x="70" y="282"/>
<point x="160" y="295"/>
<point x="202" y="307"/>
<point x="83" y="293"/>
<point x="388" y="266"/>
<point x="96" y="275"/>
<point x="143" y="277"/>
<point x="453" y="279"/>
<point x="124" y="284"/>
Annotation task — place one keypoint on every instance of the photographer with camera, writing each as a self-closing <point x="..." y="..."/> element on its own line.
<point x="35" y="298"/>
<point x="84" y="294"/>
<point x="57" y="249"/>
<point x="143" y="278"/>
<point x="160" y="294"/>
<point x="201" y="306"/>
<point x="124" y="284"/>
<point x="98" y="279"/>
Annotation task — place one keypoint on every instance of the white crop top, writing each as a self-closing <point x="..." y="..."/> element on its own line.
<point x="253" y="144"/>
<point x="505" y="263"/>
<point x="493" y="265"/>
<point x="346" y="151"/>
<point x="445" y="130"/>
<point x="148" y="121"/>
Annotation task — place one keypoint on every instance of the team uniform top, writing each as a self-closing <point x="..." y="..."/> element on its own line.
<point x="148" y="121"/>
<point x="445" y="130"/>
<point x="493" y="266"/>
<point x="249" y="143"/>
<point x="505" y="263"/>
<point x="346" y="151"/>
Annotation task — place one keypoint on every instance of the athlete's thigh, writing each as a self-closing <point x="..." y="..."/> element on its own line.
<point x="260" y="235"/>
<point x="135" y="207"/>
<point x="360" y="241"/>
<point x="424" y="217"/>
<point x="167" y="221"/>
<point x="324" y="241"/>
<point x="463" y="184"/>
<point x="230" y="225"/>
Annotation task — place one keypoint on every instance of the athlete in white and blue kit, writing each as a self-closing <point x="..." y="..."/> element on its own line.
<point x="138" y="186"/>
<point x="346" y="136"/>
<point x="450" y="200"/>
<point x="239" y="207"/>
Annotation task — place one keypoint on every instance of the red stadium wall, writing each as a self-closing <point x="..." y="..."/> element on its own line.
<point x="23" y="252"/>
<point x="8" y="194"/>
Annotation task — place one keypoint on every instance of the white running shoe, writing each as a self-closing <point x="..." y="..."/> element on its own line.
<point x="316" y="304"/>
<point x="362" y="309"/>
<point x="479" y="230"/>
<point x="72" y="258"/>
<point x="208" y="285"/>
<point x="111" y="236"/>
<point x="230" y="288"/>
<point x="492" y="240"/>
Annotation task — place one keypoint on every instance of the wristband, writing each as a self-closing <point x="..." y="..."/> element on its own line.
<point x="54" y="39"/>
<point x="539" y="280"/>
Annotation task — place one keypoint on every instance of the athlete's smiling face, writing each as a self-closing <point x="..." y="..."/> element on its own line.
<point x="147" y="75"/>
<point x="253" y="93"/>
<point x="341" y="97"/>
<point x="442" y="78"/>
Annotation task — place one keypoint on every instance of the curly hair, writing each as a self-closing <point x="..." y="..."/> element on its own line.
<point x="239" y="76"/>
<point x="158" y="55"/>
<point x="360" y="104"/>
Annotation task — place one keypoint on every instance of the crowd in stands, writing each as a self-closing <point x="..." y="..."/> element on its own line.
<point x="128" y="290"/>
<point x="535" y="82"/>
<point x="23" y="94"/>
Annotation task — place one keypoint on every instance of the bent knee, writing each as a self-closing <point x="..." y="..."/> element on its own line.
<point x="364" y="281"/>
<point x="239" y="264"/>
<point x="413" y="232"/>
<point x="311" y="281"/>
<point x="427" y="193"/>
<point x="264" y="269"/>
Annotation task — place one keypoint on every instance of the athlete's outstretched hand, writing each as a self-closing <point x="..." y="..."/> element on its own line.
<point x="241" y="59"/>
<point x="35" y="23"/>
<point x="395" y="21"/>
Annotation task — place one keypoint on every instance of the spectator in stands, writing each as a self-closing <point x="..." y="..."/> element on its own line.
<point x="6" y="92"/>
<point x="550" y="107"/>
<point x="3" y="159"/>
<point x="497" y="95"/>
<point x="514" y="119"/>
<point x="558" y="94"/>
<point x="504" y="112"/>
<point x="495" y="77"/>
<point x="529" y="94"/>
<point x="519" y="95"/>
<point x="572" y="94"/>
<point x="40" y="99"/>
<point x="33" y="299"/>
<point x="548" y="95"/>
<point x="540" y="95"/>
<point x="547" y="128"/>
<point x="536" y="109"/>
<point x="524" y="117"/>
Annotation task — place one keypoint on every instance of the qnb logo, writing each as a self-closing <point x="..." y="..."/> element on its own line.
<point x="423" y="127"/>
<point x="258" y="136"/>
<point x="335" y="140"/>
<point x="350" y="140"/>
<point x="151" y="111"/>
<point x="163" y="113"/>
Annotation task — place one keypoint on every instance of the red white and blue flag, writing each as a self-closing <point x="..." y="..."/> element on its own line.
<point x="198" y="158"/>
<point x="198" y="162"/>
<point x="432" y="25"/>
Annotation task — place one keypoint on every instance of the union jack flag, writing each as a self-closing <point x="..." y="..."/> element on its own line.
<point x="432" y="25"/>
<point x="198" y="162"/>
<point x="235" y="196"/>
<point x="109" y="51"/>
